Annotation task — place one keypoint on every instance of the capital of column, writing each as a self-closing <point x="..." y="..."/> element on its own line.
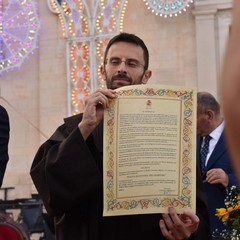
<point x="210" y="7"/>
<point x="210" y="39"/>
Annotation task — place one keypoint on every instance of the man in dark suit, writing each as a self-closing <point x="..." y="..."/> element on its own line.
<point x="4" y="139"/>
<point x="215" y="163"/>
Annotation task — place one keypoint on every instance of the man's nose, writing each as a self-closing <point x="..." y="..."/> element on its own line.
<point x="122" y="67"/>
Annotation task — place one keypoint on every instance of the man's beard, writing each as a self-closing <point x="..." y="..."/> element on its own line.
<point x="114" y="84"/>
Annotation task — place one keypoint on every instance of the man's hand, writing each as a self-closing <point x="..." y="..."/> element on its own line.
<point x="217" y="175"/>
<point x="178" y="227"/>
<point x="93" y="111"/>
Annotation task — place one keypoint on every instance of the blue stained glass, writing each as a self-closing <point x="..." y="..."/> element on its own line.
<point x="13" y="9"/>
<point x="7" y="51"/>
<point x="167" y="8"/>
<point x="159" y="7"/>
<point x="107" y="11"/>
<point x="75" y="15"/>
<point x="21" y="35"/>
<point x="155" y="2"/>
<point x="173" y="6"/>
<point x="179" y="3"/>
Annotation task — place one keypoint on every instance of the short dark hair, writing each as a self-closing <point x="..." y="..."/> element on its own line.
<point x="206" y="101"/>
<point x="130" y="38"/>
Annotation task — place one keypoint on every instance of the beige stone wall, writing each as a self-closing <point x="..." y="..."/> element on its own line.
<point x="171" y="43"/>
<point x="35" y="97"/>
<point x="36" y="94"/>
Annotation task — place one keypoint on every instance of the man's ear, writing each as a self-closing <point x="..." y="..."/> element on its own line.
<point x="210" y="114"/>
<point x="146" y="76"/>
<point x="102" y="70"/>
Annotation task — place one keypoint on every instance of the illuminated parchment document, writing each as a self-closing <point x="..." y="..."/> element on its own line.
<point x="150" y="150"/>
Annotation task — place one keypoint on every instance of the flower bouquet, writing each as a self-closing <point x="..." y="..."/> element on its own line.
<point x="230" y="216"/>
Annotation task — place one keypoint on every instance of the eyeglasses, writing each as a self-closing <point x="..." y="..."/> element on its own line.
<point x="131" y="63"/>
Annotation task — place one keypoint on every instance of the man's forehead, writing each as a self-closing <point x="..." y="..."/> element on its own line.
<point x="119" y="49"/>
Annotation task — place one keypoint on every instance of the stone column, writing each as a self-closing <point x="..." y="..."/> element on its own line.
<point x="211" y="35"/>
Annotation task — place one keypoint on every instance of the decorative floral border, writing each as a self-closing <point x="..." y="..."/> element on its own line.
<point x="188" y="153"/>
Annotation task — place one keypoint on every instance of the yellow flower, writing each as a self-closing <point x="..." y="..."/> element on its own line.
<point x="224" y="213"/>
<point x="230" y="216"/>
<point x="238" y="205"/>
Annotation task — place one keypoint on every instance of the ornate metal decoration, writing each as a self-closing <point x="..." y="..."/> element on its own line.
<point x="19" y="26"/>
<point x="167" y="8"/>
<point x="87" y="28"/>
